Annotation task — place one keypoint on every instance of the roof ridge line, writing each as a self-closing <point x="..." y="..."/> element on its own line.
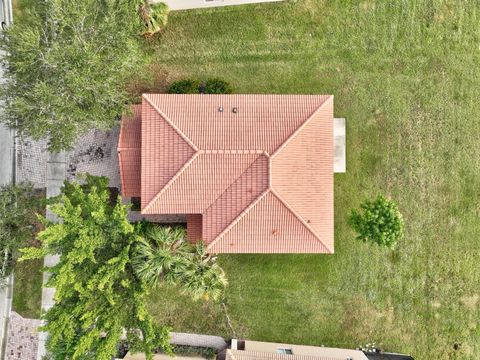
<point x="300" y="128"/>
<point x="126" y="117"/>
<point x="233" y="182"/>
<point x="128" y="148"/>
<point x="170" y="182"/>
<point x="239" y="217"/>
<point x="170" y="122"/>
<point x="233" y="152"/>
<point x="120" y="133"/>
<point x="294" y="213"/>
<point x="120" y="165"/>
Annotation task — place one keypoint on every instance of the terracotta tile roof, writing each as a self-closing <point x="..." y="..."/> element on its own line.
<point x="129" y="147"/>
<point x="261" y="176"/>
<point x="210" y="174"/>
<point x="242" y="192"/>
<point x="268" y="226"/>
<point x="194" y="227"/>
<point x="262" y="122"/>
<point x="164" y="152"/>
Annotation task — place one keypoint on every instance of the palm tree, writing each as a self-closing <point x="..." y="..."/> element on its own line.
<point x="161" y="255"/>
<point x="164" y="254"/>
<point x="203" y="277"/>
<point x="154" y="17"/>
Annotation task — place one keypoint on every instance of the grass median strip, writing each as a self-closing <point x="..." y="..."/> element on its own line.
<point x="27" y="289"/>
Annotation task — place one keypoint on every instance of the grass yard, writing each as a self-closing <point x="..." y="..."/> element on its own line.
<point x="27" y="288"/>
<point x="406" y="75"/>
<point x="28" y="275"/>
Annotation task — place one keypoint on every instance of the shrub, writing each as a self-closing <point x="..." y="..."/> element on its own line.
<point x="186" y="86"/>
<point x="380" y="222"/>
<point x="217" y="86"/>
<point x="154" y="17"/>
<point x="192" y="86"/>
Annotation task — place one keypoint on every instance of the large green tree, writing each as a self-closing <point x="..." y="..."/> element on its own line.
<point x="98" y="297"/>
<point x="107" y="268"/>
<point x="66" y="63"/>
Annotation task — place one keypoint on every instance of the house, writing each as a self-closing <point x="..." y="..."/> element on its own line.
<point x="197" y="4"/>
<point x="252" y="173"/>
<point x="257" y="350"/>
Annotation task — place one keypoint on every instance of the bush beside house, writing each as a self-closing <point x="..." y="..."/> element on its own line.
<point x="194" y="86"/>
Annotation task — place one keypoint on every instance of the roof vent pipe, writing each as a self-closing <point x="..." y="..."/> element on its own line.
<point x="235" y="110"/>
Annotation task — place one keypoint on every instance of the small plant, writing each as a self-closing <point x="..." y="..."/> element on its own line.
<point x="154" y="17"/>
<point x="186" y="86"/>
<point x="380" y="222"/>
<point x="217" y="86"/>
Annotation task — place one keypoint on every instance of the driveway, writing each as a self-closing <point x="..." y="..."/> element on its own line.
<point x="94" y="153"/>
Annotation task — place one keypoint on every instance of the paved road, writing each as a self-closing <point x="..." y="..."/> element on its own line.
<point x="6" y="135"/>
<point x="6" y="177"/>
<point x="6" y="148"/>
<point x="6" y="155"/>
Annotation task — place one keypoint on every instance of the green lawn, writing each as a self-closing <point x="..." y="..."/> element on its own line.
<point x="28" y="276"/>
<point x="27" y="288"/>
<point x="407" y="77"/>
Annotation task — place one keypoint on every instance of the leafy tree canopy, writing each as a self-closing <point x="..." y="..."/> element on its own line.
<point x="66" y="64"/>
<point x="379" y="221"/>
<point x="98" y="297"/>
<point x="107" y="267"/>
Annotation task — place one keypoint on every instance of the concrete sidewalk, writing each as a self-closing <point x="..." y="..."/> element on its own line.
<point x="56" y="174"/>
<point x="198" y="340"/>
<point x="201" y="4"/>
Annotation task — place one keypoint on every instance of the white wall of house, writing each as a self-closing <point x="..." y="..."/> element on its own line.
<point x="198" y="4"/>
<point x="340" y="158"/>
